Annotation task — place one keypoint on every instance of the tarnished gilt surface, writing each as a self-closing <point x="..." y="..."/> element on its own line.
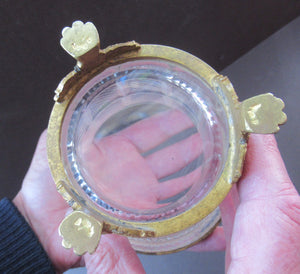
<point x="80" y="38"/>
<point x="263" y="114"/>
<point x="80" y="232"/>
<point x="260" y="114"/>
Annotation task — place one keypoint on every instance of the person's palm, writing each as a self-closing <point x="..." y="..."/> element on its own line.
<point x="120" y="172"/>
<point x="265" y="235"/>
<point x="118" y="169"/>
<point x="261" y="216"/>
<point x="44" y="209"/>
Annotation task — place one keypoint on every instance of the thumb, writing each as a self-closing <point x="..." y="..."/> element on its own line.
<point x="267" y="220"/>
<point x="39" y="168"/>
<point x="114" y="254"/>
<point x="265" y="175"/>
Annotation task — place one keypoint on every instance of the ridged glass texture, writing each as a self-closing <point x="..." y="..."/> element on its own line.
<point x="145" y="140"/>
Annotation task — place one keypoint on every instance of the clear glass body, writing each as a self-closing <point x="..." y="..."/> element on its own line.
<point x="145" y="140"/>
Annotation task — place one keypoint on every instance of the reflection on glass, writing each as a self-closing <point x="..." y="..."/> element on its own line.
<point x="145" y="139"/>
<point x="126" y="168"/>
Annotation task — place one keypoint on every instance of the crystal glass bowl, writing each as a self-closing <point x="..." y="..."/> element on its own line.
<point x="146" y="141"/>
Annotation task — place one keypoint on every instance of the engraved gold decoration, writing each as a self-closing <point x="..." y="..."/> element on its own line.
<point x="82" y="42"/>
<point x="263" y="114"/>
<point x="260" y="114"/>
<point x="222" y="187"/>
<point x="80" y="38"/>
<point x="80" y="232"/>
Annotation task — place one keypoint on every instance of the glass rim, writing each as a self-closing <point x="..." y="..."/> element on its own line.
<point x="236" y="150"/>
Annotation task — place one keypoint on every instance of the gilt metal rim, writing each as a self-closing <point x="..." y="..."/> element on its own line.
<point x="232" y="169"/>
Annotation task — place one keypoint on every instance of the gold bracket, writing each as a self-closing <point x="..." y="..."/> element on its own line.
<point x="82" y="42"/>
<point x="262" y="114"/>
<point x="81" y="232"/>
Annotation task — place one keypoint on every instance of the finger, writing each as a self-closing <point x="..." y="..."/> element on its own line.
<point x="148" y="133"/>
<point x="113" y="255"/>
<point x="265" y="175"/>
<point x="267" y="220"/>
<point x="175" y="157"/>
<point x="228" y="210"/>
<point x="45" y="208"/>
<point x="215" y="242"/>
<point x="39" y="174"/>
<point x="39" y="164"/>
<point x="173" y="187"/>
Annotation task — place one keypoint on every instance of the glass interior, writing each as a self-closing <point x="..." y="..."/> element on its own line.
<point x="145" y="140"/>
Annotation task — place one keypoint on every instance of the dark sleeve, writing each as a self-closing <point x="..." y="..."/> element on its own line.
<point x="20" y="250"/>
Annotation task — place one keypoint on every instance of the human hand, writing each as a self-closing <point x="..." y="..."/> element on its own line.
<point x="260" y="216"/>
<point x="48" y="209"/>
<point x="44" y="209"/>
<point x="120" y="167"/>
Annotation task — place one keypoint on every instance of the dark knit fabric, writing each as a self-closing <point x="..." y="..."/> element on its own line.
<point x="20" y="250"/>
